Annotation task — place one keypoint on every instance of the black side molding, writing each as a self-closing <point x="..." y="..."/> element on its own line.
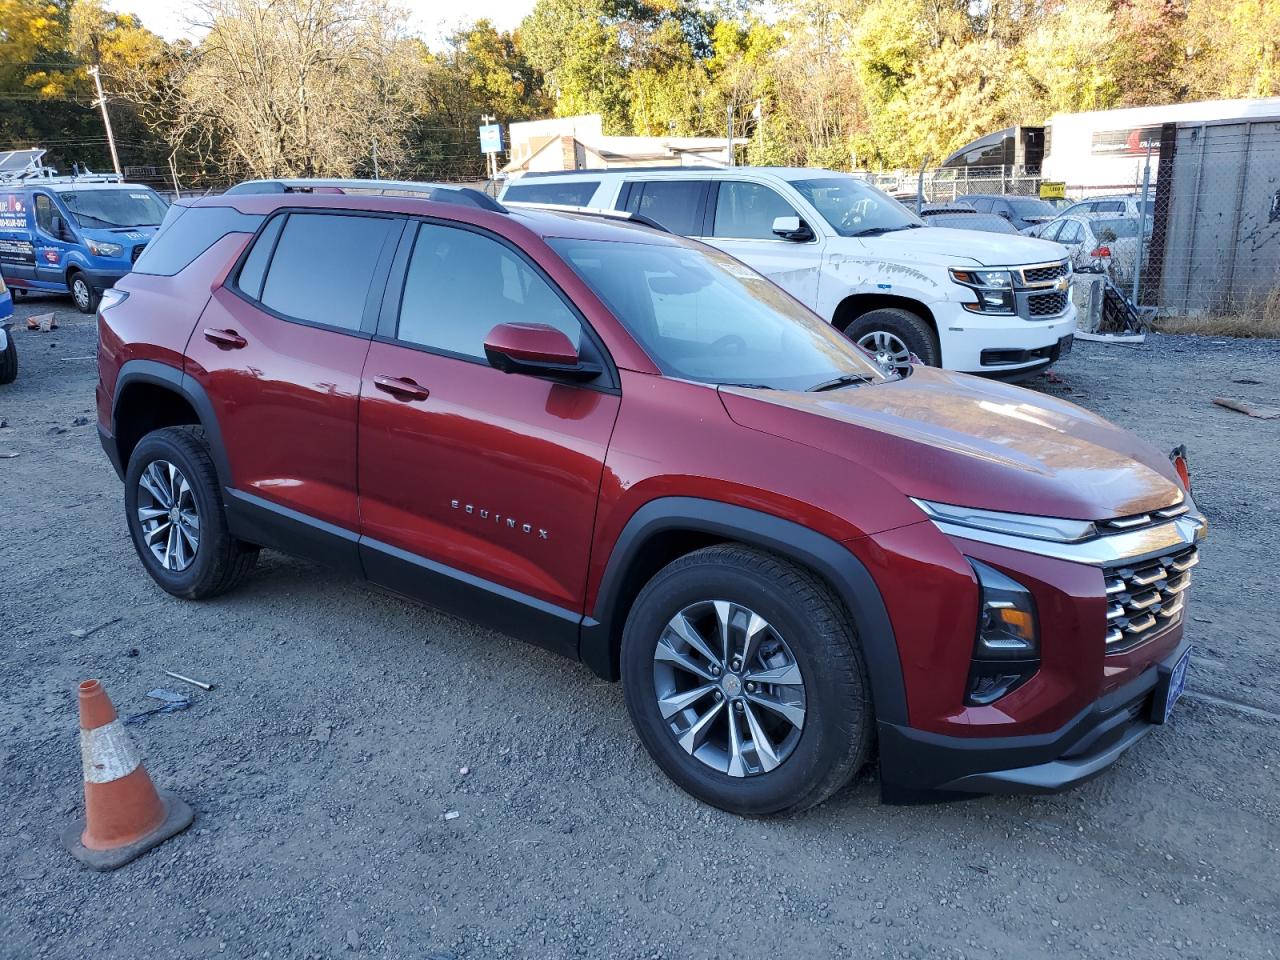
<point x="598" y="647"/>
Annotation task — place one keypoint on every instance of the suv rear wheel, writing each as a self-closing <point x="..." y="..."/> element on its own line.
<point x="174" y="508"/>
<point x="745" y="681"/>
<point x="892" y="334"/>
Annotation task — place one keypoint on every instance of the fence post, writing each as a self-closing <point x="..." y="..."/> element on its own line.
<point x="1239" y="205"/>
<point x="1142" y="222"/>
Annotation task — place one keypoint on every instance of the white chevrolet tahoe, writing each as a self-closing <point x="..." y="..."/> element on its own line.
<point x="961" y="299"/>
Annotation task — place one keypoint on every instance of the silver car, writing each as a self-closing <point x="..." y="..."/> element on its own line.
<point x="1106" y="239"/>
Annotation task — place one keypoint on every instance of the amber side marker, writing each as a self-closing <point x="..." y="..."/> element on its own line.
<point x="125" y="816"/>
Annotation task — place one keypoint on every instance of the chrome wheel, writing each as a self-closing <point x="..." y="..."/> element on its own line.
<point x="81" y="293"/>
<point x="729" y="688"/>
<point x="168" y="515"/>
<point x="891" y="354"/>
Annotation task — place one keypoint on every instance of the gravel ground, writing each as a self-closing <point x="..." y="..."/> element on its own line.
<point x="326" y="766"/>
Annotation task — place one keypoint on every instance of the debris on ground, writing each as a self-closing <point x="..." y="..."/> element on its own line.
<point x="43" y="322"/>
<point x="7" y="454"/>
<point x="194" y="683"/>
<point x="171" y="702"/>
<point x="1262" y="413"/>
<point x="83" y="632"/>
<point x="452" y="815"/>
<point x="1111" y="337"/>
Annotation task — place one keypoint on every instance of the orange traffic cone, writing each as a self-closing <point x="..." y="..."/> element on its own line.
<point x="125" y="816"/>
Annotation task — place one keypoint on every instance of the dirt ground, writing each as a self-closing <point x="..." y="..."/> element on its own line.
<point x="326" y="765"/>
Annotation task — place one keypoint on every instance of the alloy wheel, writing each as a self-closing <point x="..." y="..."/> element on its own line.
<point x="168" y="515"/>
<point x="729" y="688"/>
<point x="81" y="293"/>
<point x="891" y="354"/>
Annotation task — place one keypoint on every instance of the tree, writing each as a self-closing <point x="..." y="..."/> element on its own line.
<point x="290" y="88"/>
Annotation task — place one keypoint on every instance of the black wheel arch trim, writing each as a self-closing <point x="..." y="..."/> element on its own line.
<point x="184" y="385"/>
<point x="829" y="559"/>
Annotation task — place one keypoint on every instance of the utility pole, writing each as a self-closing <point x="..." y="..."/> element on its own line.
<point x="376" y="174"/>
<point x="95" y="72"/>
<point x="729" y="131"/>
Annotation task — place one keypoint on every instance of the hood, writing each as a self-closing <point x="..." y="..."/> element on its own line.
<point x="947" y="246"/>
<point x="125" y="235"/>
<point x="963" y="440"/>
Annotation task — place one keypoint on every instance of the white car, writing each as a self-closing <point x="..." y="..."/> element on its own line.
<point x="976" y="302"/>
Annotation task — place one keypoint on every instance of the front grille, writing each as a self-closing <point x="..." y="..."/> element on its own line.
<point x="1147" y="597"/>
<point x="1046" y="304"/>
<point x="1044" y="272"/>
<point x="137" y="252"/>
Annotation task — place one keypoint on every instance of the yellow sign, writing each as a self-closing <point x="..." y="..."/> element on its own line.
<point x="1053" y="190"/>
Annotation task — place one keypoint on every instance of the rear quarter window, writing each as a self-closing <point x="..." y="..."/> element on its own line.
<point x="577" y="193"/>
<point x="187" y="232"/>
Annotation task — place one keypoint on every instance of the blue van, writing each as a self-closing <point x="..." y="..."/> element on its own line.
<point x="76" y="235"/>
<point x="8" y="349"/>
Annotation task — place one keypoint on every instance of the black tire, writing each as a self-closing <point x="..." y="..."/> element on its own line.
<point x="9" y="361"/>
<point x="912" y="329"/>
<point x="838" y="730"/>
<point x="220" y="560"/>
<point x="83" y="295"/>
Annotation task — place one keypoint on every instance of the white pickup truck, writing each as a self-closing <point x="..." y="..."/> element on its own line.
<point x="960" y="299"/>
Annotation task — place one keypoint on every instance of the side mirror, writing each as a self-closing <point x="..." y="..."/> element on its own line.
<point x="792" y="228"/>
<point x="538" y="350"/>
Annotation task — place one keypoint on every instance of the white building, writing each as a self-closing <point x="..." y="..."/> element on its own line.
<point x="579" y="143"/>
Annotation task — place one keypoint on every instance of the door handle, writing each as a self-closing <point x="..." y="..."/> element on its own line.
<point x="402" y="388"/>
<point x="226" y="339"/>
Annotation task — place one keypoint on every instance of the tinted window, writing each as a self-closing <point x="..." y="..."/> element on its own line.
<point x="323" y="266"/>
<point x="673" y="203"/>
<point x="1109" y="206"/>
<point x="1031" y="207"/>
<point x="1051" y="232"/>
<point x="45" y="212"/>
<point x="746" y="211"/>
<point x="187" y="232"/>
<point x="255" y="265"/>
<point x="575" y="194"/>
<point x="461" y="284"/>
<point x="979" y="203"/>
<point x="702" y="315"/>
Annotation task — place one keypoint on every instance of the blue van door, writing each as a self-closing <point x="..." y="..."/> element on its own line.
<point x="17" y="252"/>
<point x="53" y="238"/>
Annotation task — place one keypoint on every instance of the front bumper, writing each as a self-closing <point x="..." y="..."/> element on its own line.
<point x="913" y="761"/>
<point x="983" y="343"/>
<point x="103" y="279"/>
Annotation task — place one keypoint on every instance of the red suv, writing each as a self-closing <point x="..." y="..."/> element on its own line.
<point x="632" y="449"/>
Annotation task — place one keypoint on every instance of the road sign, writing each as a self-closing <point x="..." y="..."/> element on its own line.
<point x="1053" y="190"/>
<point x="491" y="138"/>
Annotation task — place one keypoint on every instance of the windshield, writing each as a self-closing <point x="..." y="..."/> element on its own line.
<point x="704" y="316"/>
<point x="854" y="208"/>
<point x="115" y="207"/>
<point x="1118" y="227"/>
<point x="1031" y="208"/>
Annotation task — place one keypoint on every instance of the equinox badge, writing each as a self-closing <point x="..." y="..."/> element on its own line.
<point x="509" y="522"/>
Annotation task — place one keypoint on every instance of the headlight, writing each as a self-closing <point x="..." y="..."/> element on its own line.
<point x="1006" y="650"/>
<point x="994" y="289"/>
<point x="100" y="249"/>
<point x="1015" y="524"/>
<point x="1007" y="627"/>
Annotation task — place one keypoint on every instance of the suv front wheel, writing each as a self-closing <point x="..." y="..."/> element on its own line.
<point x="744" y="680"/>
<point x="174" y="508"/>
<point x="891" y="335"/>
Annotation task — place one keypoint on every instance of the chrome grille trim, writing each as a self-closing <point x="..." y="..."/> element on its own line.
<point x="1151" y="598"/>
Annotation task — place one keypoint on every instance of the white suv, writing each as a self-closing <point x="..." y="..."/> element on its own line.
<point x="961" y="299"/>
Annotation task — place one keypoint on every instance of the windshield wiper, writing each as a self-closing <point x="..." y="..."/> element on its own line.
<point x="876" y="231"/>
<point x="749" y="386"/>
<point x="844" y="380"/>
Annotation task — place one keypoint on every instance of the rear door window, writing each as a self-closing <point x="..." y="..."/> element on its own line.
<point x="676" y="204"/>
<point x="1071" y="232"/>
<point x="746" y="211"/>
<point x="323" y="266"/>
<point x="577" y="193"/>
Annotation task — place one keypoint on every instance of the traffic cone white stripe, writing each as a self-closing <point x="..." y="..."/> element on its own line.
<point x="107" y="753"/>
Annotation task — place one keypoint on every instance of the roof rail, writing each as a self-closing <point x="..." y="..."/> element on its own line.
<point x="438" y="192"/>
<point x="649" y="168"/>
<point x="602" y="212"/>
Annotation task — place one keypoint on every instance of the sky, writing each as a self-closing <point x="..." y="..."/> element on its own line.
<point x="433" y="19"/>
